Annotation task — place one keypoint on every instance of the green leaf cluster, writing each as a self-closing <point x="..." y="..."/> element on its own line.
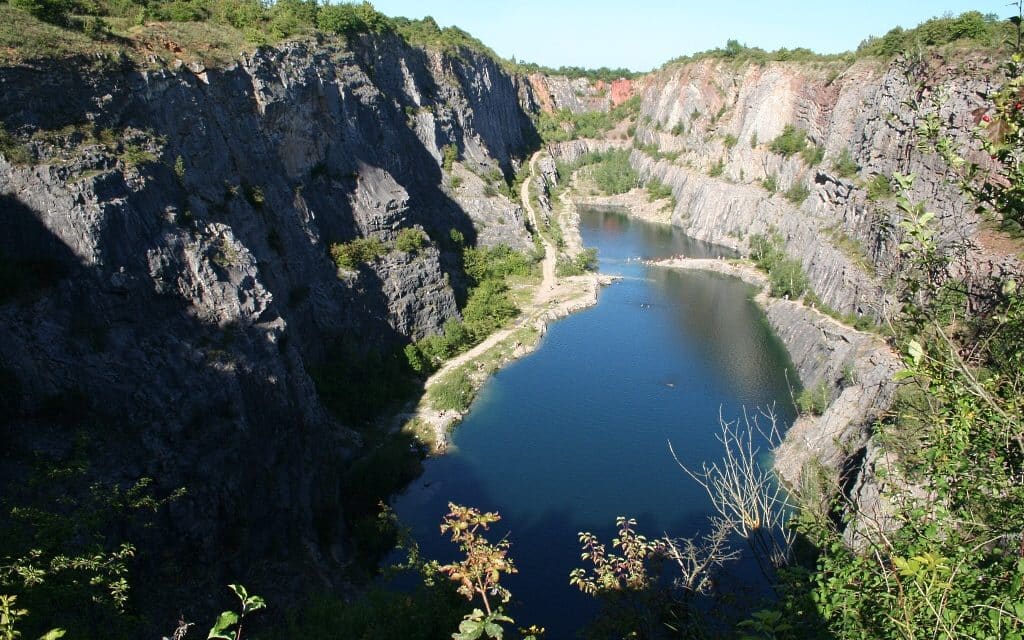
<point x="786" y="276"/>
<point x="791" y="141"/>
<point x="348" y="256"/>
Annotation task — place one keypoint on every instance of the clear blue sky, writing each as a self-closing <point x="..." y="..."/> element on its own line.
<point x="642" y="34"/>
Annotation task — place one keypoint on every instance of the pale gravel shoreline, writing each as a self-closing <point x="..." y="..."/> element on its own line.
<point x="554" y="298"/>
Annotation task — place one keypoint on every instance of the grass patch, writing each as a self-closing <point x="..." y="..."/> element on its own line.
<point x="879" y="188"/>
<point x="851" y="248"/>
<point x="488" y="306"/>
<point x="814" y="401"/>
<point x="454" y="392"/>
<point x="813" y="155"/>
<point x="12" y="149"/>
<point x="798" y="193"/>
<point x="845" y="166"/>
<point x="410" y="240"/>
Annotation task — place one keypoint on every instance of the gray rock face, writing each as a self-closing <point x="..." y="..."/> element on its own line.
<point x="184" y="219"/>
<point x="711" y="112"/>
<point x="578" y="95"/>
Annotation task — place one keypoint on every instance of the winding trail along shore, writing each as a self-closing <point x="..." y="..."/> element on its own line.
<point x="553" y="298"/>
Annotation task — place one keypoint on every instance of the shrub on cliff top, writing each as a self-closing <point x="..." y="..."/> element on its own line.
<point x="349" y="19"/>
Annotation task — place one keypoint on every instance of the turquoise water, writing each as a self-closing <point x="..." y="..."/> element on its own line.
<point x="577" y="433"/>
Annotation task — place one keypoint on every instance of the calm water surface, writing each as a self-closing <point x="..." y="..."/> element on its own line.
<point x="577" y="433"/>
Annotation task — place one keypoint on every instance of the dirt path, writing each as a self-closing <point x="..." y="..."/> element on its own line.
<point x="541" y="296"/>
<point x="547" y="285"/>
<point x="553" y="298"/>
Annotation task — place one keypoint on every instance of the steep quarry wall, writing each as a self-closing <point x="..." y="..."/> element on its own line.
<point x="578" y="95"/>
<point x="717" y="117"/>
<point x="173" y="225"/>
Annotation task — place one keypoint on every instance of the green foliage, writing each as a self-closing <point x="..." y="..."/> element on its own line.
<point x="785" y="276"/>
<point x="604" y="74"/>
<point x="949" y="564"/>
<point x="791" y="141"/>
<point x="254" y="195"/>
<point x="767" y="250"/>
<point x="845" y="166"/>
<point x="134" y="155"/>
<point x="410" y="240"/>
<point x="814" y="401"/>
<point x="449" y="154"/>
<point x="788" y="279"/>
<point x="453" y="40"/>
<point x="495" y="263"/>
<point x="999" y="188"/>
<point x="770" y="182"/>
<point x="813" y="155"/>
<point x="13" y="150"/>
<point x="385" y="467"/>
<point x="798" y="193"/>
<point x="879" y="188"/>
<point x="453" y="393"/>
<point x="585" y="261"/>
<point x="10" y="616"/>
<point x="348" y="256"/>
<point x="624" y="579"/>
<point x="488" y="308"/>
<point x="228" y="625"/>
<point x="53" y="11"/>
<point x="971" y="27"/>
<point x="427" y="613"/>
<point x="730" y="141"/>
<point x="565" y="125"/>
<point x="62" y="540"/>
<point x="656" y="153"/>
<point x="739" y="53"/>
<point x="358" y="382"/>
<point x="612" y="171"/>
<point x="657" y="190"/>
<point x="717" y="169"/>
<point x="479" y="573"/>
<point x="352" y="19"/>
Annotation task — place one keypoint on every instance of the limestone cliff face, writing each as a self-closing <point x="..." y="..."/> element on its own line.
<point x="181" y="219"/>
<point x="579" y="95"/>
<point x="721" y="118"/>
